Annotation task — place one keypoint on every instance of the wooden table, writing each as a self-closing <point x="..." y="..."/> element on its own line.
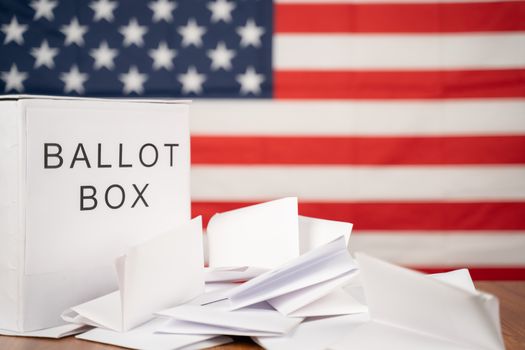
<point x="512" y="305"/>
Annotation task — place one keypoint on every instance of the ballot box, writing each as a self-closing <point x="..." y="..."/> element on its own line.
<point x="81" y="180"/>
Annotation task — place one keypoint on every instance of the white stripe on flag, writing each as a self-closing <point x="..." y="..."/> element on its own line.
<point x="343" y="183"/>
<point x="455" y="248"/>
<point x="386" y="52"/>
<point x="341" y="118"/>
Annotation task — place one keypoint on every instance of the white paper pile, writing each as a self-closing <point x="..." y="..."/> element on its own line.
<point x="289" y="282"/>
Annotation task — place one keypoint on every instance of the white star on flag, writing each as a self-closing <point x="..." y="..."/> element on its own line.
<point x="191" y="33"/>
<point x="14" y="79"/>
<point x="191" y="81"/>
<point x="162" y="56"/>
<point x="74" y="33"/>
<point x="14" y="31"/>
<point x="133" y="81"/>
<point x="103" y="10"/>
<point x="221" y="57"/>
<point x="162" y="10"/>
<point x="43" y="8"/>
<point x="250" y="81"/>
<point x="44" y="55"/>
<point x="221" y="10"/>
<point x="104" y="56"/>
<point x="133" y="33"/>
<point x="74" y="80"/>
<point x="250" y="34"/>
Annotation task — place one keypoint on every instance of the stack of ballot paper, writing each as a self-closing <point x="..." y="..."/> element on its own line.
<point x="286" y="281"/>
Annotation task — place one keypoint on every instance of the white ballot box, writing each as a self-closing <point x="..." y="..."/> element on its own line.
<point x="81" y="180"/>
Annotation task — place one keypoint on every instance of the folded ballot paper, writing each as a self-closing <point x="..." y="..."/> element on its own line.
<point x="163" y="272"/>
<point x="299" y="282"/>
<point x="408" y="310"/>
<point x="267" y="235"/>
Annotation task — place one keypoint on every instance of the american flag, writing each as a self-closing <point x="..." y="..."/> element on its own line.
<point x="406" y="118"/>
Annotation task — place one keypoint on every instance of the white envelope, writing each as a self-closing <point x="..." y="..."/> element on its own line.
<point x="53" y="332"/>
<point x="217" y="320"/>
<point x="165" y="271"/>
<point x="325" y="263"/>
<point x="314" y="232"/>
<point x="265" y="235"/>
<point x="232" y="274"/>
<point x="411" y="311"/>
<point x="144" y="337"/>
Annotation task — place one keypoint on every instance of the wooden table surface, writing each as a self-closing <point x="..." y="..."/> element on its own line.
<point x="510" y="294"/>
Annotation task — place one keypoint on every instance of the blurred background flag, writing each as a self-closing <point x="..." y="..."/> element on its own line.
<point x="407" y="119"/>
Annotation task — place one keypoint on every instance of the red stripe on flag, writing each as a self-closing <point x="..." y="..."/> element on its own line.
<point x="358" y="150"/>
<point x="402" y="216"/>
<point x="400" y="18"/>
<point x="514" y="273"/>
<point x="399" y="84"/>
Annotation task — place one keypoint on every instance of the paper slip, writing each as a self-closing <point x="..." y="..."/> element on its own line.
<point x="322" y="264"/>
<point x="408" y="310"/>
<point x="232" y="274"/>
<point x="314" y="232"/>
<point x="54" y="332"/>
<point x="165" y="271"/>
<point x="260" y="320"/>
<point x="264" y="235"/>
<point x="144" y="337"/>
